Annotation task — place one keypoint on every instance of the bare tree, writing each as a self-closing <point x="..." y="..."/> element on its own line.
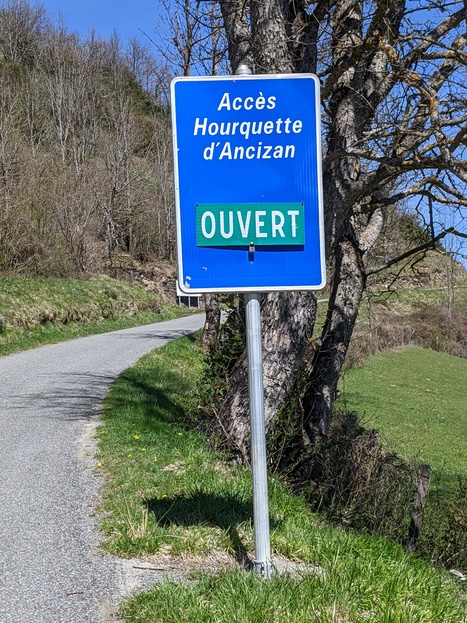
<point x="152" y="74"/>
<point x="394" y="100"/>
<point x="191" y="38"/>
<point x="160" y="158"/>
<point x="21" y="27"/>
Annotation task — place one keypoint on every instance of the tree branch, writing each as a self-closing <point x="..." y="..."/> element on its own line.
<point x="419" y="249"/>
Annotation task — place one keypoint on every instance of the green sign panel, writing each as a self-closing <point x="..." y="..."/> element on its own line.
<point x="240" y="224"/>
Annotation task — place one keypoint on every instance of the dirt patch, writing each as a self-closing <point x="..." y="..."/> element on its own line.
<point x="176" y="565"/>
<point x="158" y="276"/>
<point x="220" y="561"/>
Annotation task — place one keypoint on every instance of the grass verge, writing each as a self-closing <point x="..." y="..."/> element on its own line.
<point x="166" y="492"/>
<point x="34" y="312"/>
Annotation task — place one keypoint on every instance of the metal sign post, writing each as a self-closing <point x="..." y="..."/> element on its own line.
<point x="258" y="437"/>
<point x="259" y="471"/>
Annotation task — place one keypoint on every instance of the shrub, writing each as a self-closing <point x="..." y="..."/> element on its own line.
<point x="357" y="482"/>
<point x="443" y="540"/>
<point x="354" y="480"/>
<point x="437" y="327"/>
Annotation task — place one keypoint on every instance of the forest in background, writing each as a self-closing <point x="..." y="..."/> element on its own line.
<point x="85" y="149"/>
<point x="86" y="173"/>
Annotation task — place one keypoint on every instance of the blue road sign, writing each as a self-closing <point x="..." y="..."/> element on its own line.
<point x="247" y="158"/>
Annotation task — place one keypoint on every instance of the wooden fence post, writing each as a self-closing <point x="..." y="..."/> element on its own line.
<point x="423" y="481"/>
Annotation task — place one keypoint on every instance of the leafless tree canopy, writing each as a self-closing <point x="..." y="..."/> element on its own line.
<point x="394" y="101"/>
<point x="85" y="148"/>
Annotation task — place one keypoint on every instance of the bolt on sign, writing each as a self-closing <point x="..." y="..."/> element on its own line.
<point x="247" y="161"/>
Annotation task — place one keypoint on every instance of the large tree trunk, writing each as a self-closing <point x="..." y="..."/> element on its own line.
<point x="237" y="31"/>
<point x="287" y="318"/>
<point x="287" y="326"/>
<point x="281" y="43"/>
<point x="346" y="294"/>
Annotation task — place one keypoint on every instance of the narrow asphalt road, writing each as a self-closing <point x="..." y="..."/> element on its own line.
<point x="51" y="570"/>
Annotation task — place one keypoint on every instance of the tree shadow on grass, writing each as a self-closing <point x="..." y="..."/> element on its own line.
<point x="200" y="508"/>
<point x="157" y="406"/>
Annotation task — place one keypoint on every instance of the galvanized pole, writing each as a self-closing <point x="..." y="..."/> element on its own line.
<point x="262" y="563"/>
<point x="258" y="437"/>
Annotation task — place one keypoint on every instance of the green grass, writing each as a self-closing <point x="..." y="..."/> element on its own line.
<point x="46" y="311"/>
<point x="163" y="477"/>
<point x="347" y="592"/>
<point x="166" y="491"/>
<point x="417" y="399"/>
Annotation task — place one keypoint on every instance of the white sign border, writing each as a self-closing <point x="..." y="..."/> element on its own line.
<point x="260" y="289"/>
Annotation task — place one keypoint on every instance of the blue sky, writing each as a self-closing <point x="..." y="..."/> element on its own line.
<point x="127" y="17"/>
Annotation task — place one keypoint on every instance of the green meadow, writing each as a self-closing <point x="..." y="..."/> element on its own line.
<point x="167" y="493"/>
